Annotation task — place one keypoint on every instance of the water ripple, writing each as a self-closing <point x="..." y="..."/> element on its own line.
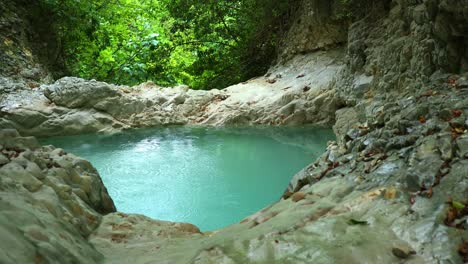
<point x="211" y="177"/>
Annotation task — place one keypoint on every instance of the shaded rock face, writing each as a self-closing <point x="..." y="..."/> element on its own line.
<point x="417" y="161"/>
<point x="29" y="49"/>
<point x="400" y="45"/>
<point x="50" y="203"/>
<point x="317" y="25"/>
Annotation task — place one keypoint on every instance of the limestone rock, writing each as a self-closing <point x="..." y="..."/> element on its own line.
<point x="402" y="251"/>
<point x="3" y="160"/>
<point x="41" y="219"/>
<point x="74" y="92"/>
<point x="462" y="146"/>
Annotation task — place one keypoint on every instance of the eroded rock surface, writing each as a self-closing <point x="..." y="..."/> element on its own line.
<point x="50" y="202"/>
<point x="296" y="93"/>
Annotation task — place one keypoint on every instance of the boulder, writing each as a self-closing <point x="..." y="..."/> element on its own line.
<point x="74" y="92"/>
<point x="42" y="220"/>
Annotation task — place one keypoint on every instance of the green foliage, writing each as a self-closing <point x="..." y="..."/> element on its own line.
<point x="204" y="44"/>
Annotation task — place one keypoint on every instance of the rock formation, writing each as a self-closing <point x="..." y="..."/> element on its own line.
<point x="390" y="76"/>
<point x="298" y="92"/>
<point x="50" y="201"/>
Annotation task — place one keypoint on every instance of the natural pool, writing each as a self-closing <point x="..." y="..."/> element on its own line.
<point x="211" y="177"/>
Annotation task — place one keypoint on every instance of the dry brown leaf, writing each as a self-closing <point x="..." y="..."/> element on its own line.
<point x="390" y="193"/>
<point x="430" y="192"/>
<point x="422" y="119"/>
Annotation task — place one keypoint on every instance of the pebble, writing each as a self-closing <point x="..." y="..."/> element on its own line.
<point x="3" y="160"/>
<point x="402" y="251"/>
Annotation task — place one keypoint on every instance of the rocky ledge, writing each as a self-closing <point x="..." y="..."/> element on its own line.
<point x="296" y="93"/>
<point x="50" y="201"/>
<point x="393" y="188"/>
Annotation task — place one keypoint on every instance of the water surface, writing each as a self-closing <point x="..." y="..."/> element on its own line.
<point x="211" y="177"/>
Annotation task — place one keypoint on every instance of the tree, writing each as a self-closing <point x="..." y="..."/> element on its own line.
<point x="204" y="44"/>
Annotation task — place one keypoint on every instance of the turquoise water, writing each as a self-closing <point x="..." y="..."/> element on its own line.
<point x="211" y="177"/>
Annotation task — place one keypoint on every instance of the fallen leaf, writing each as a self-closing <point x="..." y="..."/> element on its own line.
<point x="458" y="130"/>
<point x="456" y="112"/>
<point x="390" y="193"/>
<point x="428" y="93"/>
<point x="455" y="135"/>
<point x="422" y="119"/>
<point x="287" y="194"/>
<point x="452" y="214"/>
<point x="458" y="205"/>
<point x="463" y="251"/>
<point x="430" y="192"/>
<point x="452" y="82"/>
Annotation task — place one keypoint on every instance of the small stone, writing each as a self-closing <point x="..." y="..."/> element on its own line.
<point x="462" y="83"/>
<point x="462" y="146"/>
<point x="335" y="153"/>
<point x="458" y="122"/>
<point x="445" y="114"/>
<point x="445" y="147"/>
<point x="353" y="133"/>
<point x="3" y="160"/>
<point x="402" y="251"/>
<point x="297" y="196"/>
<point x="57" y="152"/>
<point x="180" y="98"/>
<point x="32" y="168"/>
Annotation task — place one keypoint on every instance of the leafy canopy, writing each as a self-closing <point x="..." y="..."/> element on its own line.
<point x="204" y="44"/>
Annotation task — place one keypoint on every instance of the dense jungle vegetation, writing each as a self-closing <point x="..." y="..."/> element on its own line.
<point x="204" y="44"/>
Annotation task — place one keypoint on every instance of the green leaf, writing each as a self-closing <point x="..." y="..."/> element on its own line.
<point x="458" y="205"/>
